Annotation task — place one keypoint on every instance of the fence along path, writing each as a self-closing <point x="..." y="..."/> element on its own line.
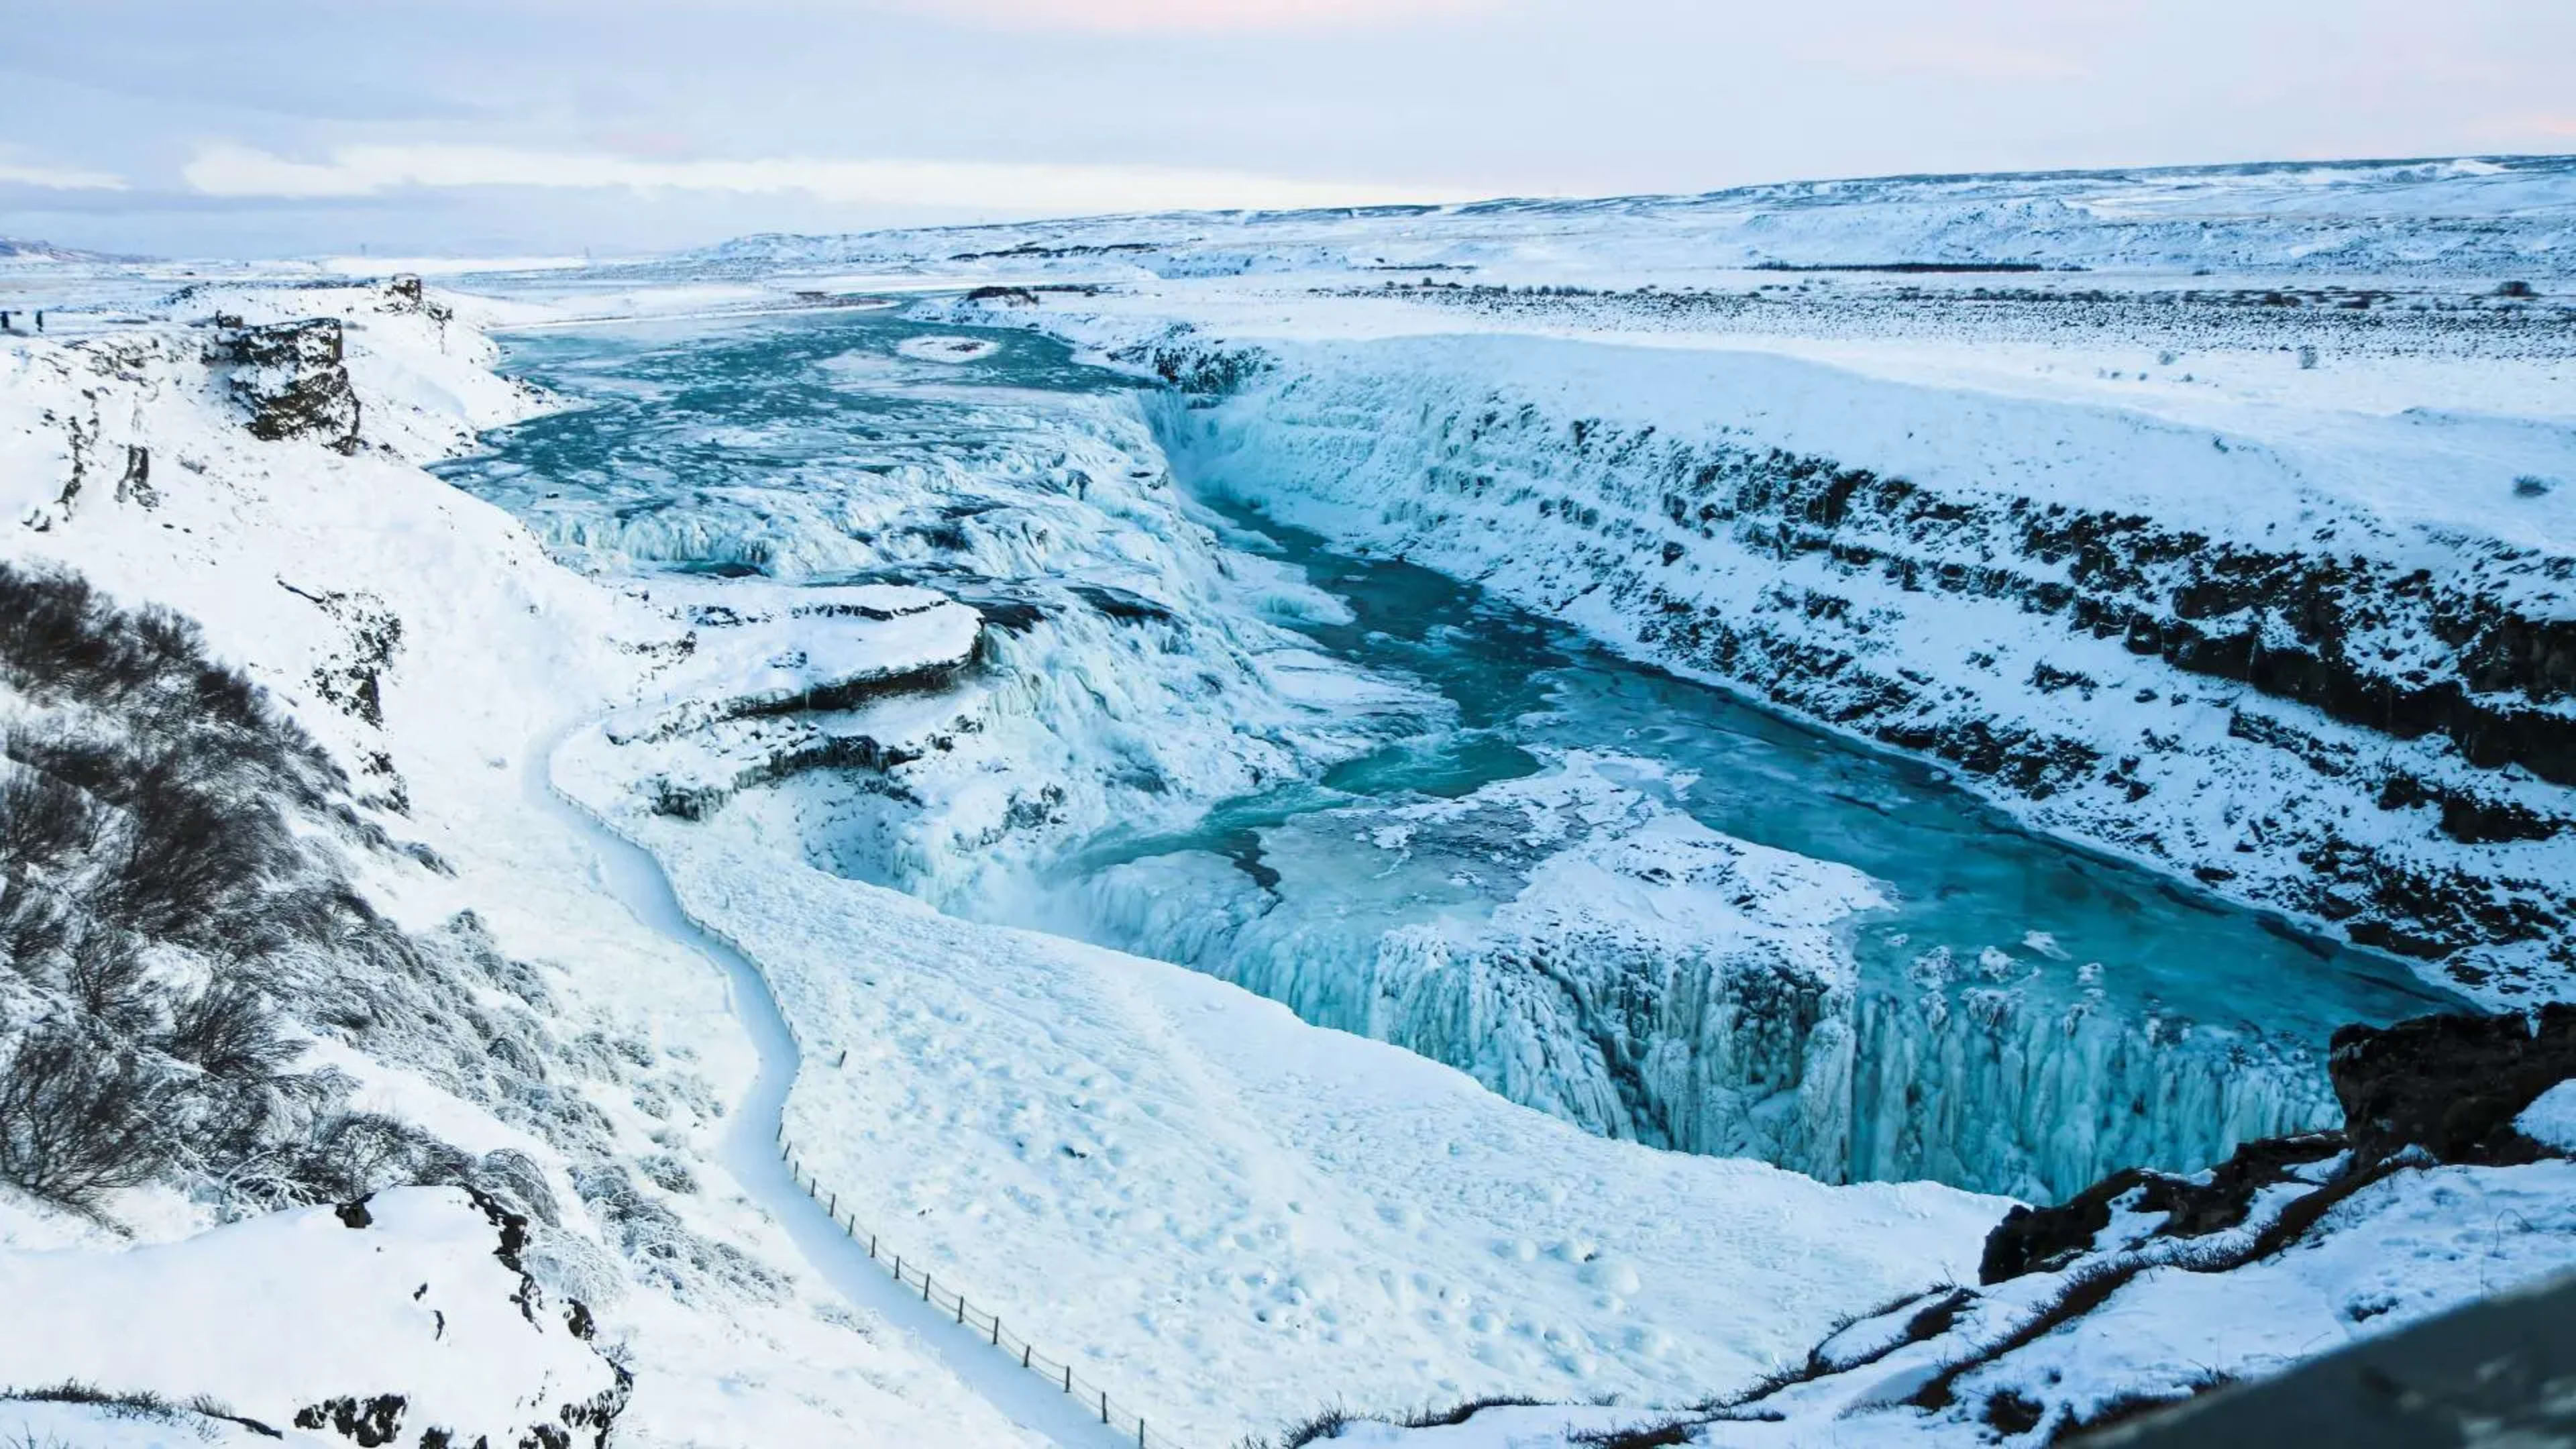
<point x="826" y="1240"/>
<point x="1054" y="1371"/>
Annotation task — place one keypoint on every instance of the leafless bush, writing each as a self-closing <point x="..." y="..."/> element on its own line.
<point x="42" y="820"/>
<point x="227" y="1030"/>
<point x="79" y="1118"/>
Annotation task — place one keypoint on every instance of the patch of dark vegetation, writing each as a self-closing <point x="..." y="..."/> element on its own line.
<point x="1651" y="1436"/>
<point x="1328" y="1424"/>
<point x="2013" y="1414"/>
<point x="1459" y="1413"/>
<point x="166" y="908"/>
<point x="143" y="1405"/>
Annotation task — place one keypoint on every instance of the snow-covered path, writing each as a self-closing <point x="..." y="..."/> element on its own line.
<point x="749" y="1151"/>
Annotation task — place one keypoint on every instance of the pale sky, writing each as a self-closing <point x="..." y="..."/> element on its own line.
<point x="292" y="127"/>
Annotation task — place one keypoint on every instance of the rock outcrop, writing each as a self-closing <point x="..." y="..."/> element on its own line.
<point x="2451" y="1085"/>
<point x="290" y="378"/>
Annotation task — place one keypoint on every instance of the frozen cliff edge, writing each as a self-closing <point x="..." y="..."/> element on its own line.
<point x="2355" y="657"/>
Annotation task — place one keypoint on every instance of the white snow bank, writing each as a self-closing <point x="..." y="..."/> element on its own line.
<point x="2551" y="1118"/>
<point x="407" y="1295"/>
<point x="947" y="349"/>
<point x="1231" y="1217"/>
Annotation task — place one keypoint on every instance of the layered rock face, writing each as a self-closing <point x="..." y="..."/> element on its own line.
<point x="290" y="377"/>
<point x="2226" y="657"/>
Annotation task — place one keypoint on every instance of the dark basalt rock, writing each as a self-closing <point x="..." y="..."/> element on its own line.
<point x="2196" y="1209"/>
<point x="2451" y="1085"/>
<point x="2033" y="1240"/>
<point x="291" y="378"/>
<point x="2037" y="1240"/>
<point x="365" y="1422"/>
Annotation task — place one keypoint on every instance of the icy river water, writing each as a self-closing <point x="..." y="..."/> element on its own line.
<point x="2018" y="1015"/>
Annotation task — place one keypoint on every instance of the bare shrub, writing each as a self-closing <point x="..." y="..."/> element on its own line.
<point x="104" y="976"/>
<point x="43" y="820"/>
<point x="227" y="1030"/>
<point x="79" y="1119"/>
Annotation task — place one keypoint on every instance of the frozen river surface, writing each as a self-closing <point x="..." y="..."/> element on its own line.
<point x="1987" y="1007"/>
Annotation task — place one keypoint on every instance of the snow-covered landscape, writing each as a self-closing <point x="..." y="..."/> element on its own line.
<point x="1929" y="810"/>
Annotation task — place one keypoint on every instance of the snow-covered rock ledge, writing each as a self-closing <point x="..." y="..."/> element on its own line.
<point x="407" y="1317"/>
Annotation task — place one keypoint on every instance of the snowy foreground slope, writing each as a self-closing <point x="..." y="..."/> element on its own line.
<point x="1224" y="1213"/>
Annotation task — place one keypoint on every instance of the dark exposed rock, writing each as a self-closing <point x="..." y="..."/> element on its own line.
<point x="365" y="1422"/>
<point x="850" y="693"/>
<point x="2451" y="1084"/>
<point x="2031" y="1240"/>
<point x="2196" y="1209"/>
<point x="291" y="378"/>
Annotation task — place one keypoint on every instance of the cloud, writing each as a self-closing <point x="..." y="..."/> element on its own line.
<point x="57" y="178"/>
<point x="1956" y="57"/>
<point x="1187" y="15"/>
<point x="989" y="187"/>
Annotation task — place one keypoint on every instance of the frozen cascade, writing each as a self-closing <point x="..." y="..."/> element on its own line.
<point x="1387" y="799"/>
<point x="1621" y="966"/>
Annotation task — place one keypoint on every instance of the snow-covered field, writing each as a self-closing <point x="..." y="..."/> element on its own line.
<point x="2218" y="520"/>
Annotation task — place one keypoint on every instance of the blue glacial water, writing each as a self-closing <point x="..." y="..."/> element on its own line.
<point x="2028" y="1014"/>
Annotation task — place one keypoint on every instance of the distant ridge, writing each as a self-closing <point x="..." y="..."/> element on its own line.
<point x="42" y="251"/>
